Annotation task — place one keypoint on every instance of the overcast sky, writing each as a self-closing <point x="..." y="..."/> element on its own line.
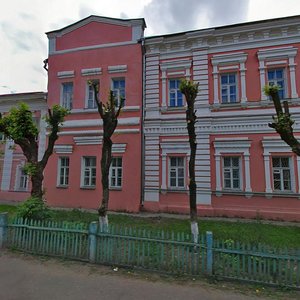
<point x="23" y="24"/>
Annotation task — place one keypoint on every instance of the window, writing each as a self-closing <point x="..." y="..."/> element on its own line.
<point x="229" y="88"/>
<point x="175" y="96"/>
<point x="63" y="177"/>
<point x="115" y="176"/>
<point x="276" y="77"/>
<point x="281" y="174"/>
<point x="90" y="96"/>
<point x="176" y="172"/>
<point x="231" y="172"/>
<point x="118" y="88"/>
<point x="67" y="95"/>
<point x="89" y="172"/>
<point x="23" y="183"/>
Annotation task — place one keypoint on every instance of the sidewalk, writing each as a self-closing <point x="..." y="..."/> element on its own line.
<point x="24" y="277"/>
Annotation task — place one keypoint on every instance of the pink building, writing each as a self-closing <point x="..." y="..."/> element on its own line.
<point x="14" y="183"/>
<point x="109" y="51"/>
<point x="243" y="168"/>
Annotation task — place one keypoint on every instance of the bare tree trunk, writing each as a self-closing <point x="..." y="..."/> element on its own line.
<point x="105" y="164"/>
<point x="37" y="184"/>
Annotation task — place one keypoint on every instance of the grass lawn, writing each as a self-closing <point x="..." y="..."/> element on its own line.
<point x="253" y="232"/>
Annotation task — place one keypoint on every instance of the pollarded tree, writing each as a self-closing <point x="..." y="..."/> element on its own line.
<point x="282" y="122"/>
<point x="109" y="113"/>
<point x="190" y="91"/>
<point x="19" y="125"/>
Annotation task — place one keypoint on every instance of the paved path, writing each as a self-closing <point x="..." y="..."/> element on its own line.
<point x="24" y="277"/>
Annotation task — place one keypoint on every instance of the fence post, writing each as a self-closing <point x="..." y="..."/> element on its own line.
<point x="92" y="241"/>
<point x="209" y="252"/>
<point x="3" y="229"/>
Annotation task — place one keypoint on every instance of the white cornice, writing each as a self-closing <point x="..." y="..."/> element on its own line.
<point x="65" y="74"/>
<point x="98" y="122"/>
<point x="92" y="71"/>
<point x="97" y="132"/>
<point x="281" y="52"/>
<point x="63" y="149"/>
<point x="238" y="57"/>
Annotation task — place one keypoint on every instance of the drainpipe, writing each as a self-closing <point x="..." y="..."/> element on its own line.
<point x="142" y="42"/>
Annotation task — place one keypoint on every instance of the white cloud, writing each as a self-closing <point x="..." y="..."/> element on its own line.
<point x="23" y="25"/>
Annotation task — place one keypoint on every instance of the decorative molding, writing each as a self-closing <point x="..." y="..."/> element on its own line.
<point x="93" y="71"/>
<point x="117" y="69"/>
<point x="100" y="132"/>
<point x="98" y="122"/>
<point x="63" y="149"/>
<point x="119" y="148"/>
<point x="87" y="140"/>
<point x="65" y="74"/>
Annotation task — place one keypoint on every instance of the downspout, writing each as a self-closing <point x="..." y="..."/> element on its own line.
<point x="142" y="41"/>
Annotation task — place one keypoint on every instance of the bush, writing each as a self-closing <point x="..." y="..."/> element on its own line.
<point x="33" y="208"/>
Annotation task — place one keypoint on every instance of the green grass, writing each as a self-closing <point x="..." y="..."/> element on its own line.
<point x="254" y="233"/>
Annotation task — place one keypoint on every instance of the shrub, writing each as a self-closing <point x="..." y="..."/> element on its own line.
<point x="33" y="208"/>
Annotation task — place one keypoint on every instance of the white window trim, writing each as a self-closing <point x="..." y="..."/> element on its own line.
<point x="173" y="148"/>
<point x="175" y="90"/>
<point x="276" y="145"/>
<point x="18" y="178"/>
<point x="112" y="88"/>
<point x="236" y="87"/>
<point x="264" y="57"/>
<point x="233" y="146"/>
<point x="110" y="170"/>
<point x="291" y="170"/>
<point x="82" y="185"/>
<point x="58" y="172"/>
<point x="87" y="96"/>
<point x="219" y="62"/>
<point x="184" y="173"/>
<point x="285" y="88"/>
<point x="240" y="173"/>
<point x="170" y="68"/>
<point x="62" y="94"/>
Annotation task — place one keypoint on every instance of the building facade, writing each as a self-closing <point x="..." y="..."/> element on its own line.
<point x="107" y="51"/>
<point x="14" y="183"/>
<point x="242" y="167"/>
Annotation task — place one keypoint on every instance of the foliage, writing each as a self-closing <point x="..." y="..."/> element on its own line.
<point x="33" y="208"/>
<point x="30" y="169"/>
<point x="188" y="86"/>
<point x="18" y="124"/>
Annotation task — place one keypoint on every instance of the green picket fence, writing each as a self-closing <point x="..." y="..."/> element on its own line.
<point x="62" y="239"/>
<point x="160" y="251"/>
<point x="156" y="251"/>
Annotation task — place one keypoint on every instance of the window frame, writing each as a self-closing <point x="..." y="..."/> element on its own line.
<point x="90" y="92"/>
<point x="68" y="103"/>
<point x="281" y="170"/>
<point x="228" y="86"/>
<point x="115" y="169"/>
<point x="283" y="90"/>
<point x="177" y="177"/>
<point x="117" y="90"/>
<point x="231" y="169"/>
<point x="176" y="92"/>
<point x="66" y="172"/>
<point x="91" y="178"/>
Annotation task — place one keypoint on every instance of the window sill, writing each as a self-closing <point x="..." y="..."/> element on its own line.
<point x="62" y="186"/>
<point x="115" y="188"/>
<point x="87" y="187"/>
<point x="173" y="109"/>
<point x="174" y="190"/>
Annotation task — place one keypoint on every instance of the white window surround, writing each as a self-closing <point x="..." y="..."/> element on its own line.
<point x="18" y="178"/>
<point x="90" y="169"/>
<point x="90" y="95"/>
<point x="276" y="145"/>
<point x="65" y="74"/>
<point x="233" y="146"/>
<point x="92" y="71"/>
<point x="172" y="148"/>
<point x="63" y="169"/>
<point x="223" y="62"/>
<point x="171" y="68"/>
<point x="265" y="57"/>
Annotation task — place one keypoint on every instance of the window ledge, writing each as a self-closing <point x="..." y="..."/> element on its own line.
<point x="88" y="187"/>
<point x="62" y="186"/>
<point x="262" y="194"/>
<point x="115" y="188"/>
